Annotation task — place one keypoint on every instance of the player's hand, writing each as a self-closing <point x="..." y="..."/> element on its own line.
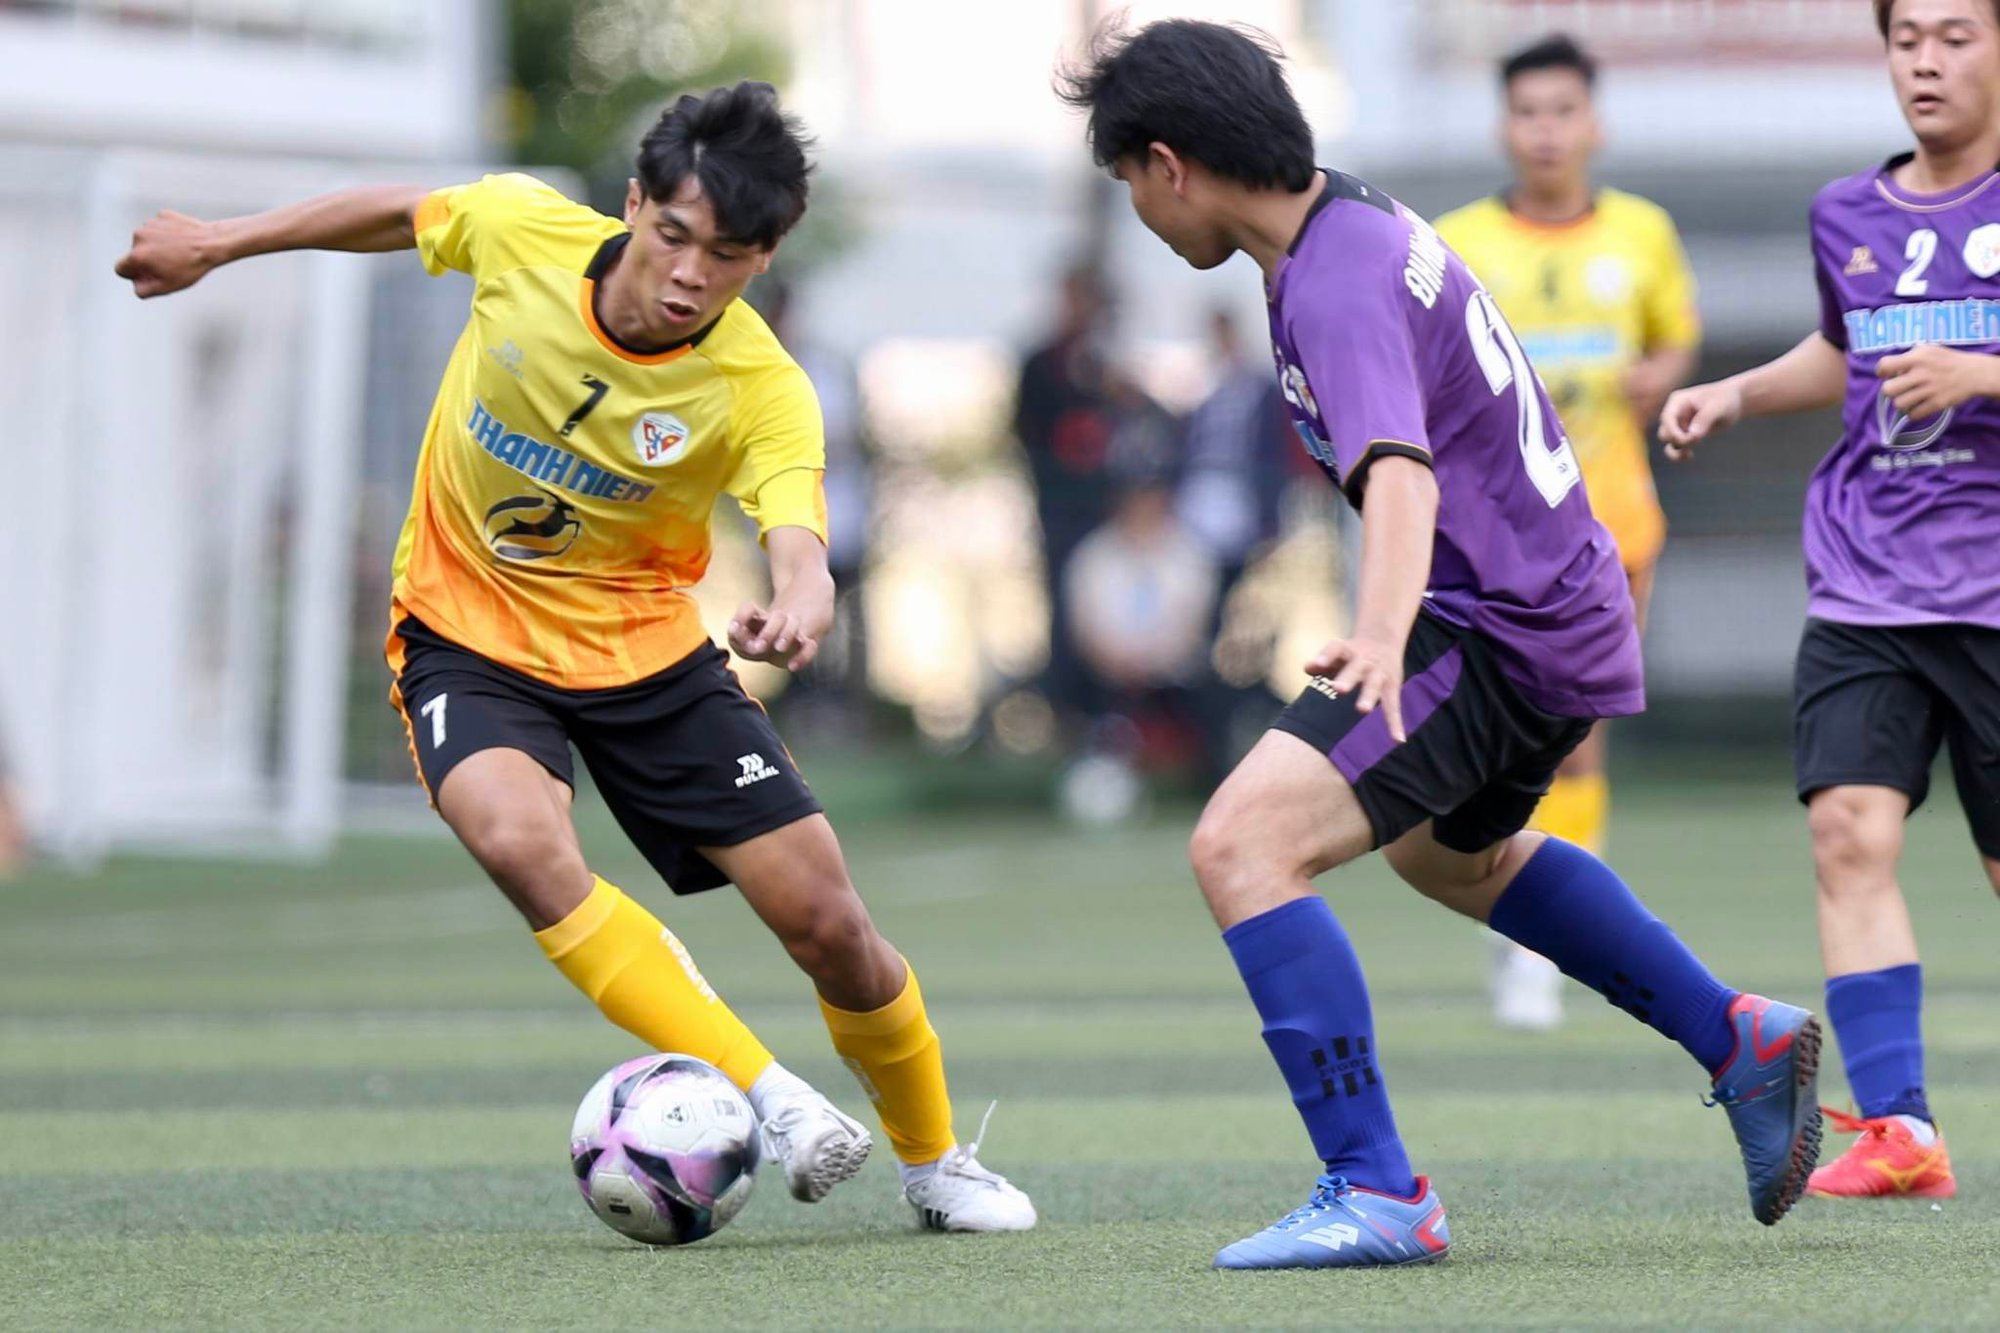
<point x="170" y="252"/>
<point x="1929" y="379"/>
<point x="772" y="635"/>
<point x="1369" y="668"/>
<point x="1693" y="414"/>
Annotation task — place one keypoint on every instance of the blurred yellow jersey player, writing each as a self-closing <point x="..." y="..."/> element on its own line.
<point x="1595" y="283"/>
<point x="608" y="388"/>
<point x="1591" y="299"/>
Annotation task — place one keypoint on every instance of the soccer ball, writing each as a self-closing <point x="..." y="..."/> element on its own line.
<point x="665" y="1149"/>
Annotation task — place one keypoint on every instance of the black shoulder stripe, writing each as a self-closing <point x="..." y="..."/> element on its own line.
<point x="1344" y="186"/>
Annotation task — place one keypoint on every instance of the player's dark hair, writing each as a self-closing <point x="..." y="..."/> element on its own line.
<point x="1885" y="10"/>
<point x="748" y="155"/>
<point x="1555" y="51"/>
<point x="1213" y="93"/>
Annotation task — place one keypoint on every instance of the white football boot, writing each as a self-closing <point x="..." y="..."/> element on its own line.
<point x="956" y="1193"/>
<point x="1527" y="989"/>
<point x="818" y="1146"/>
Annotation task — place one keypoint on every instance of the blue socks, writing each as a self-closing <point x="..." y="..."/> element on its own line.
<point x="1875" y="1015"/>
<point x="1572" y="909"/>
<point x="1306" y="982"/>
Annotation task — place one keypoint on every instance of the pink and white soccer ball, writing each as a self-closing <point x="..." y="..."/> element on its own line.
<point x="665" y="1149"/>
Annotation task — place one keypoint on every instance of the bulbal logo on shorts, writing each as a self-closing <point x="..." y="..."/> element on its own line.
<point x="755" y="769"/>
<point x="660" y="437"/>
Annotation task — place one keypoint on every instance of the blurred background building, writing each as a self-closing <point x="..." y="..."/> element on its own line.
<point x="215" y="482"/>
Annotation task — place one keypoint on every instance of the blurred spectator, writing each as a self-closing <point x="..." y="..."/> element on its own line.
<point x="1234" y="458"/>
<point x="1239" y="453"/>
<point x="842" y="669"/>
<point x="1140" y="594"/>
<point x="1065" y="418"/>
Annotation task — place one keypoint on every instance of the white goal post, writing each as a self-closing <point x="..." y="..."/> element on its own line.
<point x="184" y="474"/>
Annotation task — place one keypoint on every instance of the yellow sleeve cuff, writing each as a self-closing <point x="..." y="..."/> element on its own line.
<point x="794" y="498"/>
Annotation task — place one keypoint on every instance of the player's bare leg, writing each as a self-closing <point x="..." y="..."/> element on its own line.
<point x="1282" y="817"/>
<point x="513" y="815"/>
<point x="1857" y="840"/>
<point x="796" y="880"/>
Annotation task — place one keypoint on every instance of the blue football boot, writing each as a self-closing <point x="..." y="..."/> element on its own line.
<point x="1770" y="1087"/>
<point x="1347" y="1226"/>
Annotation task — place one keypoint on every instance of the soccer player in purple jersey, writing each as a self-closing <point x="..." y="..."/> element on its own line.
<point x="1493" y="627"/>
<point x="1901" y="651"/>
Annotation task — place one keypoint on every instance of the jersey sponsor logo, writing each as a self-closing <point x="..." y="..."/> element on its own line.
<point x="550" y="464"/>
<point x="1552" y="347"/>
<point x="1861" y="262"/>
<point x="755" y="769"/>
<point x="1901" y="431"/>
<point x="532" y="527"/>
<point x="1982" y="250"/>
<point x="660" y="437"/>
<point x="1962" y="323"/>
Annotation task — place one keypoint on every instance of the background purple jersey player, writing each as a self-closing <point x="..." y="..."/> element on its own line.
<point x="1901" y="651"/>
<point x="1492" y="626"/>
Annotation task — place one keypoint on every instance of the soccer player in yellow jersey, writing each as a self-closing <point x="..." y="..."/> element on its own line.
<point x="608" y="387"/>
<point x="1595" y="283"/>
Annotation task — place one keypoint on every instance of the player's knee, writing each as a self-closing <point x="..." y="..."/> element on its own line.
<point x="1214" y="849"/>
<point x="831" y="938"/>
<point x="531" y="861"/>
<point x="1856" y="841"/>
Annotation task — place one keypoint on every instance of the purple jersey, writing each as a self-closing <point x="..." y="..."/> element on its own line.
<point x="1387" y="344"/>
<point x="1902" y="522"/>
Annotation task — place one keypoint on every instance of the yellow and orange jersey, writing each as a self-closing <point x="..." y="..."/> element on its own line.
<point x="1588" y="299"/>
<point x="562" y="498"/>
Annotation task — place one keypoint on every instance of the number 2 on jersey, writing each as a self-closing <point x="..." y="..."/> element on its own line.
<point x="1551" y="467"/>
<point x="1920" y="250"/>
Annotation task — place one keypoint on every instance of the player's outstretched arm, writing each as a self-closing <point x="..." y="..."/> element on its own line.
<point x="1398" y="528"/>
<point x="1813" y="374"/>
<point x="172" y="251"/>
<point x="787" y="633"/>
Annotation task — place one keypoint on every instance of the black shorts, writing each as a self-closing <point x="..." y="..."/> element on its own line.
<point x="1479" y="757"/>
<point x="1875" y="702"/>
<point x="684" y="758"/>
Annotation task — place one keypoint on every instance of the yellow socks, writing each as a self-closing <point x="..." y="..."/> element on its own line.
<point x="1577" y="810"/>
<point x="894" y="1053"/>
<point x="632" y="968"/>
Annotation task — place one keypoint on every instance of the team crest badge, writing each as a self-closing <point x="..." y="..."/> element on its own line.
<point x="1982" y="250"/>
<point x="1608" y="279"/>
<point x="660" y="437"/>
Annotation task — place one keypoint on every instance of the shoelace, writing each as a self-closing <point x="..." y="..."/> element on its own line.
<point x="1844" y="1123"/>
<point x="1326" y="1193"/>
<point x="962" y="1160"/>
